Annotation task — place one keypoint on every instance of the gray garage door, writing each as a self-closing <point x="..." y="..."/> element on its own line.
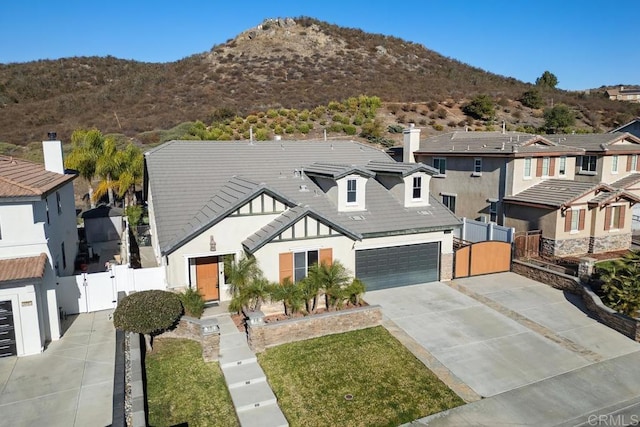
<point x="7" y="333"/>
<point x="398" y="265"/>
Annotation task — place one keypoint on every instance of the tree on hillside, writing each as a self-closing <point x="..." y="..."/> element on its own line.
<point x="532" y="99"/>
<point x="547" y="79"/>
<point x="481" y="107"/>
<point x="558" y="118"/>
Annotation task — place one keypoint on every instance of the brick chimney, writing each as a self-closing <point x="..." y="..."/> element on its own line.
<point x="52" y="149"/>
<point x="411" y="143"/>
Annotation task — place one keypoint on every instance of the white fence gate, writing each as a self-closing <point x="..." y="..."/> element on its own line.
<point x="85" y="293"/>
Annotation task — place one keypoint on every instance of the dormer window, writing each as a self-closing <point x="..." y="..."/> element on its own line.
<point x="417" y="187"/>
<point x="351" y="190"/>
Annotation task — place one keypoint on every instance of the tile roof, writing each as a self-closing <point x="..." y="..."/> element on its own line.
<point x="190" y="185"/>
<point x="403" y="169"/>
<point x="553" y="192"/>
<point x="487" y="143"/>
<point x="336" y="171"/>
<point x="627" y="181"/>
<point x="618" y="141"/>
<point x="21" y="178"/>
<point x="26" y="268"/>
<point x="606" y="197"/>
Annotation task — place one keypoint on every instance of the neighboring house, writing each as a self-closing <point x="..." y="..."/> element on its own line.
<point x="633" y="127"/>
<point x="534" y="182"/>
<point x="292" y="204"/>
<point x="38" y="241"/>
<point x="622" y="94"/>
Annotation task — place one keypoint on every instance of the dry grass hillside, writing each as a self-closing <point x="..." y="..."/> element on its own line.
<point x="294" y="64"/>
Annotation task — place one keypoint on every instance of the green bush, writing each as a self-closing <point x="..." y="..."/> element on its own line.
<point x="289" y="129"/>
<point x="349" y="129"/>
<point x="395" y="128"/>
<point x="481" y="107"/>
<point x="438" y="127"/>
<point x="262" y="135"/>
<point x="192" y="302"/>
<point x="147" y="312"/>
<point x="252" y="118"/>
<point x="134" y="214"/>
<point x="304" y="128"/>
<point x="532" y="99"/>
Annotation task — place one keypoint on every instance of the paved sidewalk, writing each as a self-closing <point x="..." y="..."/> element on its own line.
<point x="69" y="384"/>
<point x="254" y="401"/>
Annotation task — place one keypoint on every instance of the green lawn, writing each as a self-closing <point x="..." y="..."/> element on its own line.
<point x="182" y="388"/>
<point x="389" y="385"/>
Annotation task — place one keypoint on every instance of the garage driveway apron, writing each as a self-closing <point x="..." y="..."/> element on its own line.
<point x="492" y="352"/>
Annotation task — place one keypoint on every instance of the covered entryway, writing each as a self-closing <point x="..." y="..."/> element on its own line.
<point x="473" y="259"/>
<point x="207" y="277"/>
<point x="7" y="331"/>
<point x="395" y="266"/>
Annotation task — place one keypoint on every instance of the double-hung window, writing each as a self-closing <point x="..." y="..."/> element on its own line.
<point x="440" y="163"/>
<point x="614" y="164"/>
<point x="562" y="169"/>
<point x="527" y="167"/>
<point x="477" y="166"/>
<point x="614" y="218"/>
<point x="417" y="187"/>
<point x="301" y="263"/>
<point x="351" y="190"/>
<point x="449" y="202"/>
<point x="545" y="166"/>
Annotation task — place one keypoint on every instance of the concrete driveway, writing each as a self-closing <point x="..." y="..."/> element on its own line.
<point x="505" y="333"/>
<point x="69" y="384"/>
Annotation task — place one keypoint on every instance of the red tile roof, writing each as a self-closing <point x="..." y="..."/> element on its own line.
<point x="19" y="178"/>
<point x="22" y="268"/>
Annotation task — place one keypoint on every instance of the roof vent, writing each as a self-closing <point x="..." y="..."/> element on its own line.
<point x="425" y="213"/>
<point x="304" y="188"/>
<point x="357" y="218"/>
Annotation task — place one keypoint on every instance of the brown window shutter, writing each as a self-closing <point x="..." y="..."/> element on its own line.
<point x="581" y="219"/>
<point x="552" y="166"/>
<point x="539" y="161"/>
<point x="607" y="218"/>
<point x="286" y="266"/>
<point x="326" y="256"/>
<point x="567" y="220"/>
<point x="628" y="162"/>
<point x="621" y="217"/>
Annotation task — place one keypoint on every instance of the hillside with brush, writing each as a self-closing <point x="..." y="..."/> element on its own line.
<point x="293" y="64"/>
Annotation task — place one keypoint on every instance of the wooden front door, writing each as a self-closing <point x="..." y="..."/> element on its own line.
<point x="207" y="278"/>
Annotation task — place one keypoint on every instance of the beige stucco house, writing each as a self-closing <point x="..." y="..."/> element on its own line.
<point x="292" y="204"/>
<point x="578" y="189"/>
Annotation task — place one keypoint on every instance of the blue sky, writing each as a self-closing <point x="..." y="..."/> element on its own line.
<point x="586" y="44"/>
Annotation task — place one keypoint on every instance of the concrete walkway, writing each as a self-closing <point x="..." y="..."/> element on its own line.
<point x="253" y="399"/>
<point x="69" y="384"/>
<point x="533" y="355"/>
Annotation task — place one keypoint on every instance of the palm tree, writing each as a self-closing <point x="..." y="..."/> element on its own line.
<point x="108" y="168"/>
<point x="132" y="165"/>
<point x="310" y="287"/>
<point x="621" y="284"/>
<point x="87" y="149"/>
<point x="242" y="273"/>
<point x="335" y="278"/>
<point x="290" y="294"/>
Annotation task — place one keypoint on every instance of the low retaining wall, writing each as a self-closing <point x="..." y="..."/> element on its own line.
<point x="262" y="336"/>
<point x="624" y="324"/>
<point x="192" y="329"/>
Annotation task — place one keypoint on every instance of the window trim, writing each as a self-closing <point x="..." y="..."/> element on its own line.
<point x="477" y="166"/>
<point x="449" y="197"/>
<point x="615" y="162"/>
<point x="306" y="262"/>
<point x="352" y="191"/>
<point x="442" y="165"/>
<point x="588" y="171"/>
<point x="562" y="167"/>
<point x="527" y="161"/>
<point x="417" y="188"/>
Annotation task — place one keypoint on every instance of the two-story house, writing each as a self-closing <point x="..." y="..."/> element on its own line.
<point x="537" y="182"/>
<point x="38" y="242"/>
<point x="292" y="204"/>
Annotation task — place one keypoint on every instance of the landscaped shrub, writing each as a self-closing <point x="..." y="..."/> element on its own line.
<point x="621" y="284"/>
<point x="147" y="312"/>
<point x="192" y="302"/>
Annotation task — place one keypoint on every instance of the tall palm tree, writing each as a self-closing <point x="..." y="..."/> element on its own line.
<point x="132" y="164"/>
<point x="108" y="168"/>
<point x="87" y="148"/>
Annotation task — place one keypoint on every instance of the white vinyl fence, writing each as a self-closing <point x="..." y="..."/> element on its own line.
<point x="85" y="293"/>
<point x="476" y="231"/>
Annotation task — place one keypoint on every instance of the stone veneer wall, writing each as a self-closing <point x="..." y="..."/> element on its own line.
<point x="611" y="242"/>
<point x="446" y="267"/>
<point x="285" y="331"/>
<point x="624" y="324"/>
<point x="190" y="328"/>
<point x="564" y="247"/>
